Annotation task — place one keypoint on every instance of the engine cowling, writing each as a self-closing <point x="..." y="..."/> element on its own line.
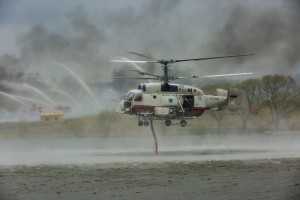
<point x="219" y="108"/>
<point x="221" y="92"/>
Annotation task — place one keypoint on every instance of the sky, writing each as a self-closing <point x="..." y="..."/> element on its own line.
<point x="90" y="32"/>
<point x="39" y="36"/>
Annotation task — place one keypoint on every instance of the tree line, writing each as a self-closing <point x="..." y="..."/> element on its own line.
<point x="279" y="94"/>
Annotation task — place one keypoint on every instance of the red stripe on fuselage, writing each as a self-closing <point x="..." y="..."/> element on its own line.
<point x="142" y="108"/>
<point x="150" y="109"/>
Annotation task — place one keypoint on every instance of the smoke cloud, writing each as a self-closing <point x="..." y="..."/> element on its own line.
<point x="270" y="31"/>
<point x="85" y="40"/>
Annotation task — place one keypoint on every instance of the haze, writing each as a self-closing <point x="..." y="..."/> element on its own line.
<point x="38" y="36"/>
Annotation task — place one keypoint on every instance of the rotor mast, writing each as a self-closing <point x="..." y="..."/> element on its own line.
<point x="165" y="65"/>
<point x="166" y="77"/>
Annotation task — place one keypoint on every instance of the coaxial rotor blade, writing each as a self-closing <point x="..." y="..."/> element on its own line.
<point x="141" y="78"/>
<point x="222" y="75"/>
<point x="142" y="55"/>
<point x="217" y="75"/>
<point x="166" y="64"/>
<point x="216" y="57"/>
<point x="145" y="73"/>
<point x="133" y="61"/>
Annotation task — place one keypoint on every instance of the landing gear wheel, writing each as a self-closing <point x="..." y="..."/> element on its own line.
<point x="183" y="123"/>
<point x="140" y="123"/>
<point x="168" y="122"/>
<point x="146" y="123"/>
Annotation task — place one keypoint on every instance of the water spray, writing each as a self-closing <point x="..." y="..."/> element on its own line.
<point x="40" y="93"/>
<point x="66" y="95"/>
<point x="25" y="85"/>
<point x="32" y="100"/>
<point x="13" y="98"/>
<point x="82" y="83"/>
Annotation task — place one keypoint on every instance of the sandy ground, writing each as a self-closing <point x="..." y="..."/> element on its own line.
<point x="207" y="166"/>
<point x="247" y="179"/>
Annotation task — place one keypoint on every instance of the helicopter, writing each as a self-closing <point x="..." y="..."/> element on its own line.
<point x="170" y="101"/>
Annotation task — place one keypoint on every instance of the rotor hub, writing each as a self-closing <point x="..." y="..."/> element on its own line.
<point x="167" y="62"/>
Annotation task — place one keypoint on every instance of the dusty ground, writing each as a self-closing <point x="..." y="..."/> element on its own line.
<point x="248" y="179"/>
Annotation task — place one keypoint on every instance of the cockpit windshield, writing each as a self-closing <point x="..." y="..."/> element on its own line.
<point x="129" y="96"/>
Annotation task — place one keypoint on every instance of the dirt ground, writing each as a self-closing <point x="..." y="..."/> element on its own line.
<point x="249" y="179"/>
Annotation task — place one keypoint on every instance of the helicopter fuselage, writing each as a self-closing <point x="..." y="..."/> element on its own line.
<point x="159" y="101"/>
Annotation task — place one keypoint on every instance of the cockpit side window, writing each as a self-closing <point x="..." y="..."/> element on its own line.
<point x="138" y="97"/>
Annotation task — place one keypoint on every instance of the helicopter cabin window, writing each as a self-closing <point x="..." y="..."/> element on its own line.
<point x="138" y="97"/>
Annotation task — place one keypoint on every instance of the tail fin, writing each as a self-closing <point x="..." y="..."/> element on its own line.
<point x="237" y="99"/>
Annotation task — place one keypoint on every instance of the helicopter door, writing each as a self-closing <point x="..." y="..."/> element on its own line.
<point x="188" y="101"/>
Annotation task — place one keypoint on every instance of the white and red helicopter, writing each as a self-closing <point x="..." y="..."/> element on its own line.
<point x="169" y="101"/>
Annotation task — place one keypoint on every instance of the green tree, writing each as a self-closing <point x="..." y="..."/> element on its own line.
<point x="251" y="88"/>
<point x="281" y="95"/>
